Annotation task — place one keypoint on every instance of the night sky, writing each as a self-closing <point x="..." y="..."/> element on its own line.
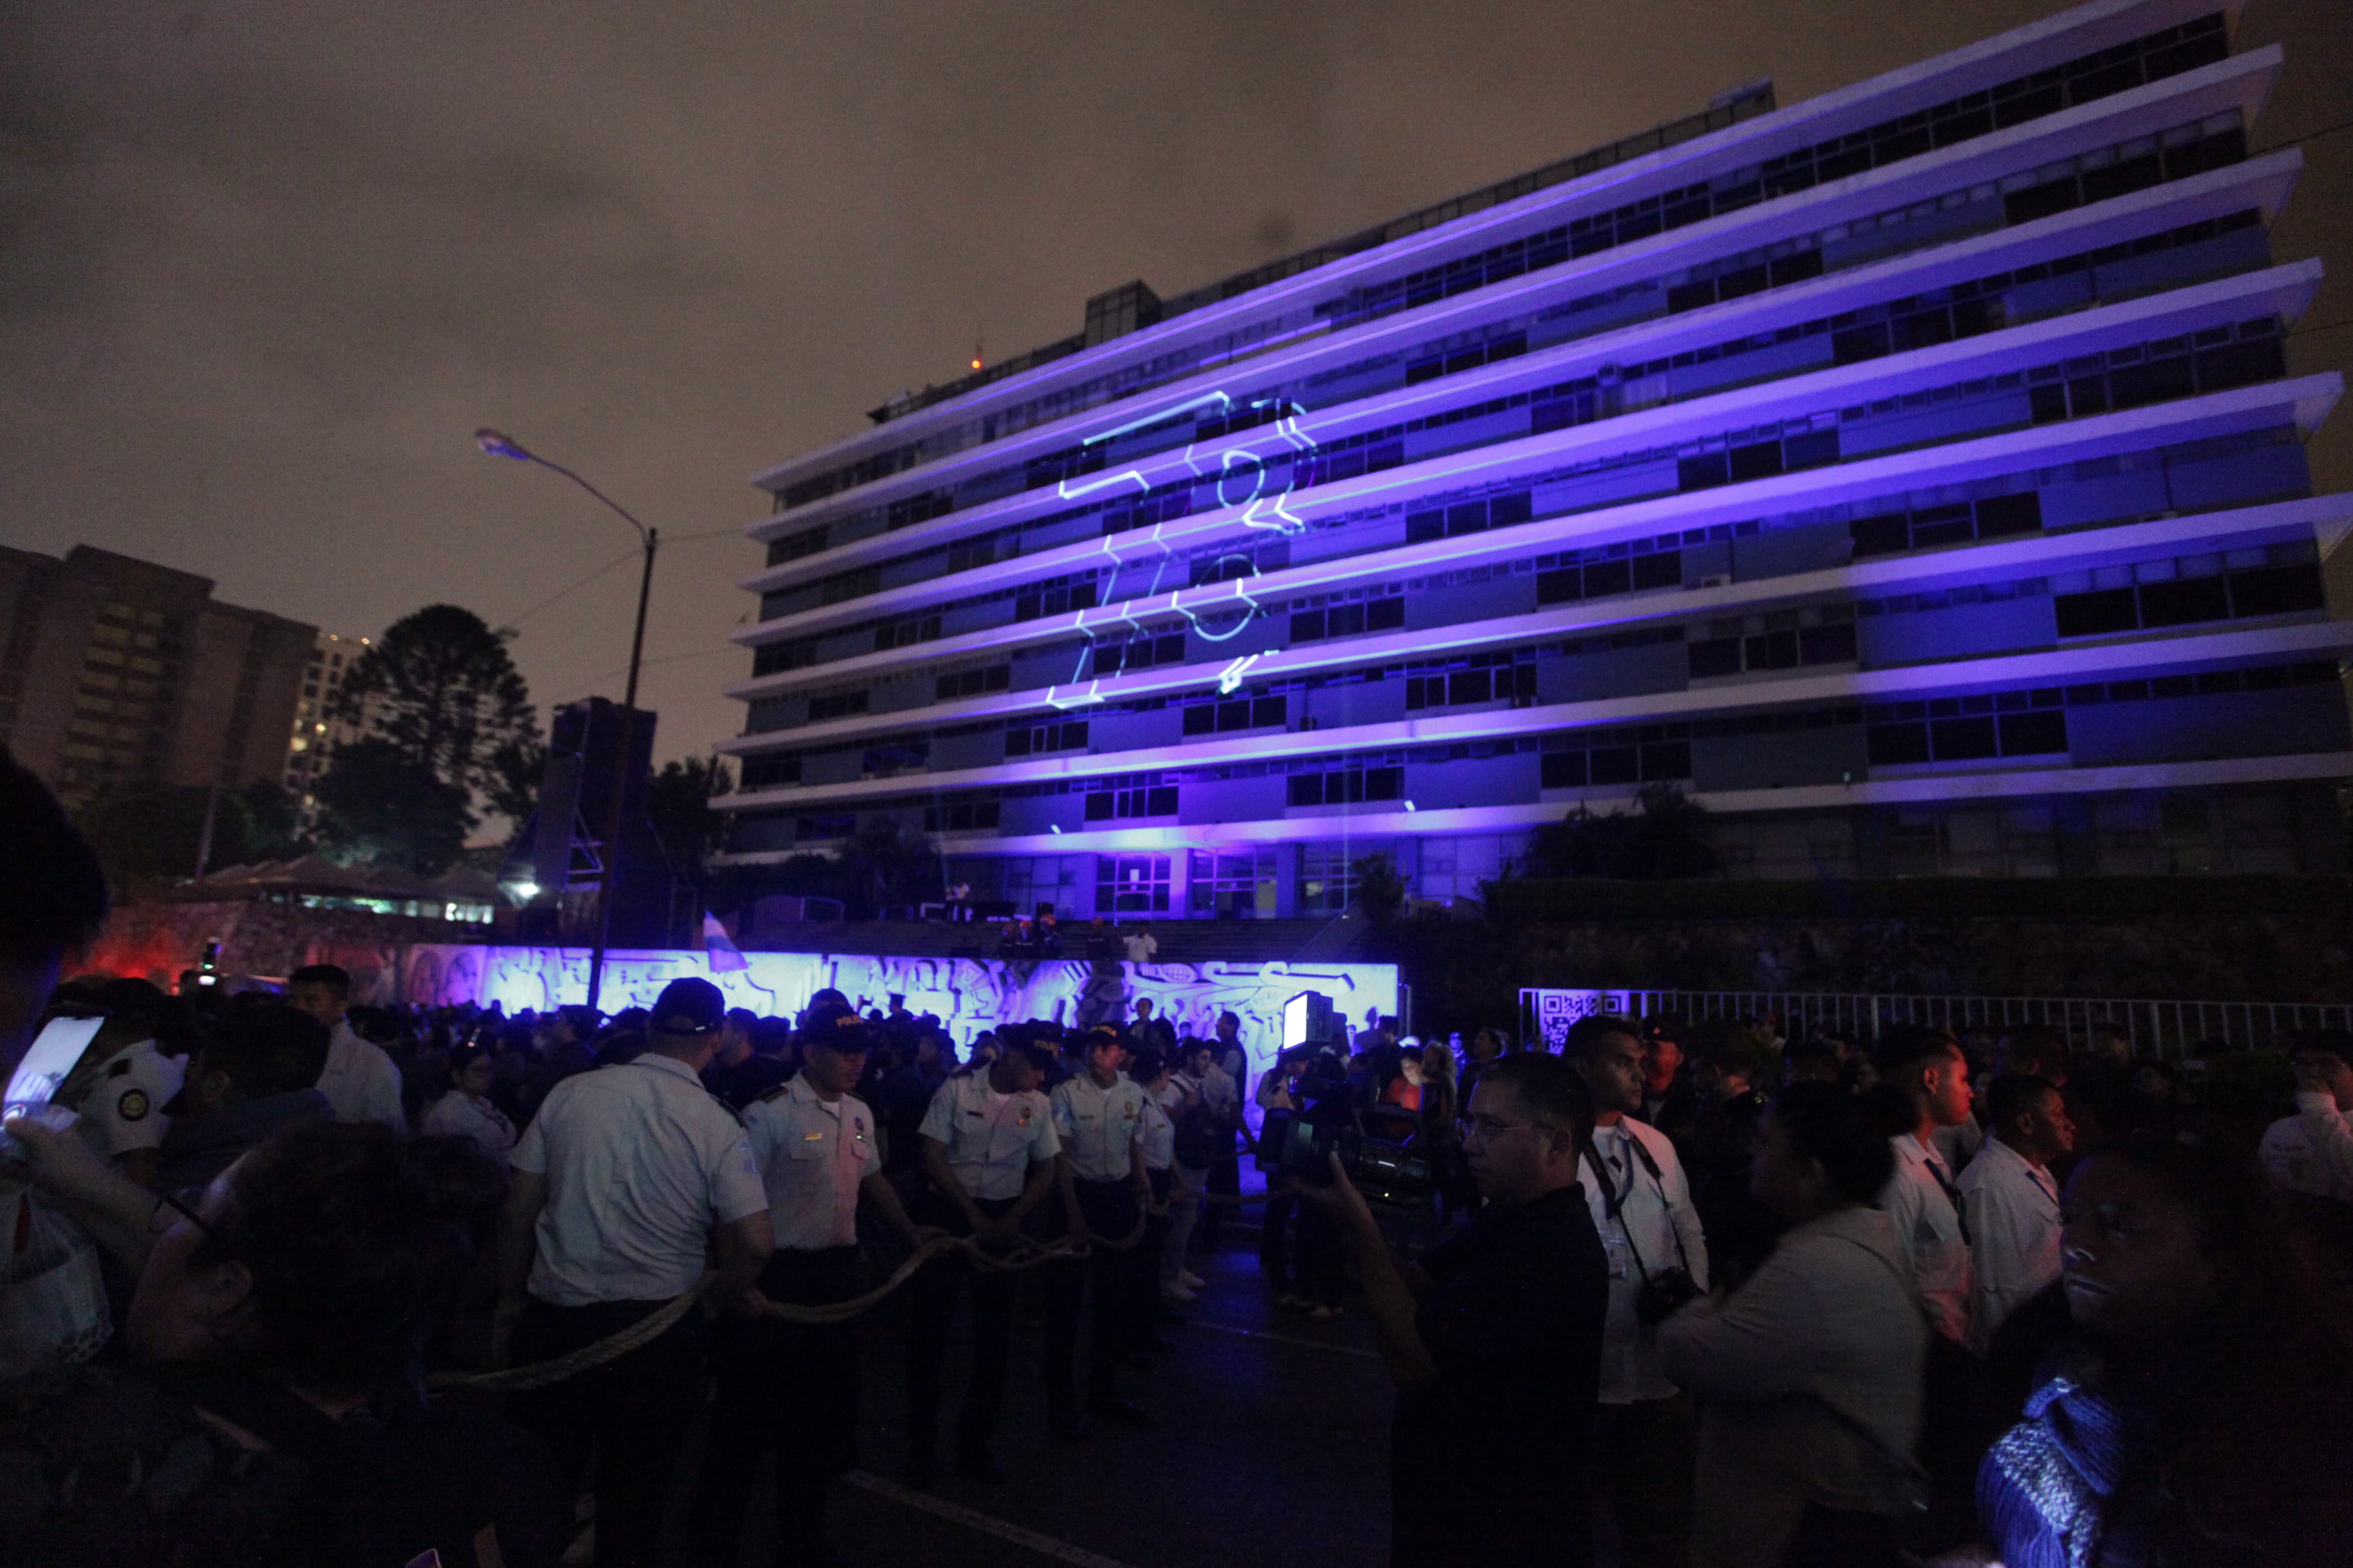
<point x="264" y="268"/>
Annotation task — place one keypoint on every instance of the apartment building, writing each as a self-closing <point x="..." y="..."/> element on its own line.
<point x="117" y="673"/>
<point x="1911" y="475"/>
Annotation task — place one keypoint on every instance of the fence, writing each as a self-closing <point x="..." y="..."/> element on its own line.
<point x="2162" y="1027"/>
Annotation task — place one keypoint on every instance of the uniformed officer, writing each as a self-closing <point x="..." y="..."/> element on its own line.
<point x="988" y="1157"/>
<point x="1099" y="1117"/>
<point x="124" y="1080"/>
<point x="619" y="1182"/>
<point x="793" y="1387"/>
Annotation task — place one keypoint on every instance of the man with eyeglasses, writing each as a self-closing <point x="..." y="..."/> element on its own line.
<point x="1651" y="1235"/>
<point x="1493" y="1339"/>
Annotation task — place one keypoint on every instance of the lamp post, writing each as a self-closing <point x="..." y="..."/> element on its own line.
<point x="497" y="445"/>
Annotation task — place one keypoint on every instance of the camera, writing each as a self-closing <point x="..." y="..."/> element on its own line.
<point x="1392" y="1168"/>
<point x="1663" y="1293"/>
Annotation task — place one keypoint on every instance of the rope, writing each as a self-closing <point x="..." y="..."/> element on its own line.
<point x="540" y="1374"/>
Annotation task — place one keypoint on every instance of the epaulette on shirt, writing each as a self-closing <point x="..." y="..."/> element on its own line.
<point x="781" y="1089"/>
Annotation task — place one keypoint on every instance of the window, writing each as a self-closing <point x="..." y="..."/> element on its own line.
<point x="768" y="773"/>
<point x="913" y="509"/>
<point x="1782" y="647"/>
<point x="1243" y="713"/>
<point x="1055" y="595"/>
<point x="1784" y="453"/>
<point x="1568" y="585"/>
<point x="1142" y="800"/>
<point x="1033" y="740"/>
<point x="1470" y="517"/>
<point x="972" y="682"/>
<point x="1138" y="653"/>
<point x="1992" y="517"/>
<point x="2158" y="373"/>
<point x="1348" y="620"/>
<point x="1348" y="786"/>
<point x="1131" y="884"/>
<point x="811" y="829"/>
<point x="2188" y="600"/>
<point x="1968" y="728"/>
<point x="905" y="634"/>
<point x="1483" y="678"/>
<point x="1654" y="755"/>
<point x="808" y="542"/>
<point x="962" y="816"/>
<point x="1492" y="352"/>
<point x="1232" y="884"/>
<point x="1328" y="877"/>
<point x="839" y="705"/>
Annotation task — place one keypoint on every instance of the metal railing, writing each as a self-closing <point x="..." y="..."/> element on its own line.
<point x="2165" y="1028"/>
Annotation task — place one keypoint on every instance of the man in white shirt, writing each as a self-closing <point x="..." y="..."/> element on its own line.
<point x="360" y="1081"/>
<point x="2012" y="1202"/>
<point x="1142" y="944"/>
<point x="1099" y="1117"/>
<point x="1641" y="1208"/>
<point x="620" y="1184"/>
<point x="126" y="1080"/>
<point x="2312" y="1152"/>
<point x="1926" y="1067"/>
<point x="989" y="1148"/>
<point x="815" y="1145"/>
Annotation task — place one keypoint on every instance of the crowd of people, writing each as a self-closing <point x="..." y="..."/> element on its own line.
<point x="1704" y="1292"/>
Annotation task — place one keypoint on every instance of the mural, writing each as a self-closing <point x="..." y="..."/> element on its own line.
<point x="969" y="994"/>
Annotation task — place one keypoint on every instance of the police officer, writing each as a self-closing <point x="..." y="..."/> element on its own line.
<point x="988" y="1158"/>
<point x="793" y="1387"/>
<point x="620" y="1183"/>
<point x="1099" y="1117"/>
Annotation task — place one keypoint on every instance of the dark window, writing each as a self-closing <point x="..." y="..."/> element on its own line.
<point x="1964" y="738"/>
<point x="1666" y="760"/>
<point x="1346" y="620"/>
<point x="1385" y="615"/>
<point x="1759" y="460"/>
<point x="1827" y="645"/>
<point x="1614" y="764"/>
<point x="2240" y="364"/>
<point x="1423" y="526"/>
<point x="1470" y="686"/>
<point x="1306" y="625"/>
<point x="1772" y="650"/>
<point x="1942" y="525"/>
<point x="1562" y="585"/>
<point x="1564" y="770"/>
<point x="1707" y="469"/>
<point x="2031" y="734"/>
<point x="1719" y="656"/>
<point x="2183" y="602"/>
<point x="1892" y="745"/>
<point x="1608" y="577"/>
<point x="1881" y="535"/>
<point x="1660" y="569"/>
<point x="1857" y="343"/>
<point x="1306" y="789"/>
<point x="2137" y="385"/>
<point x="2276" y="590"/>
<point x="2039" y="201"/>
<point x="2001" y="515"/>
<point x="1812" y="448"/>
<point x="2097" y="612"/>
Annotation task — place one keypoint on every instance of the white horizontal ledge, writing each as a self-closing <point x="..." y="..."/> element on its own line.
<point x="2051" y="667"/>
<point x="2029" y="555"/>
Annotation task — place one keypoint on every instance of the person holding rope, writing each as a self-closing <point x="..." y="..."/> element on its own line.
<point x="989" y="1145"/>
<point x="792" y="1388"/>
<point x="1099" y="1117"/>
<point x="619" y="1184"/>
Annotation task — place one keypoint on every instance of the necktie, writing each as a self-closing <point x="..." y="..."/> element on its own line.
<point x="1952" y="1196"/>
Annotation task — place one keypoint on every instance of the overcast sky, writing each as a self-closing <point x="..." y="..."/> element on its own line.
<point x="265" y="267"/>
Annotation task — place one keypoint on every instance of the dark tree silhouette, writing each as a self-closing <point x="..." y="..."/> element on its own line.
<point x="439" y="688"/>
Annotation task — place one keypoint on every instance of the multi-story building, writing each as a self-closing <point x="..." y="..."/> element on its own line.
<point x="1911" y="475"/>
<point x="318" y="727"/>
<point x="118" y="673"/>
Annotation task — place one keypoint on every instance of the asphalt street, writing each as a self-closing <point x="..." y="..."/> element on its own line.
<point x="1265" y="1447"/>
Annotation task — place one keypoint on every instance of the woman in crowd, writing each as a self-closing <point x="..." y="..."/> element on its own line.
<point x="2201" y="1411"/>
<point x="1809" y="1377"/>
<point x="273" y="1413"/>
<point x="467" y="1111"/>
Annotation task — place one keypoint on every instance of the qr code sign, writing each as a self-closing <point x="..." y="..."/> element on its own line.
<point x="1556" y="1010"/>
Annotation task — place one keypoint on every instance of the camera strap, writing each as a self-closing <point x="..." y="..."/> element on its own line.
<point x="1609" y="1196"/>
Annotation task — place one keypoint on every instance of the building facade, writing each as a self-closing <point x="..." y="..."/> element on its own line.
<point x="318" y="727"/>
<point x="117" y="673"/>
<point x="1911" y="477"/>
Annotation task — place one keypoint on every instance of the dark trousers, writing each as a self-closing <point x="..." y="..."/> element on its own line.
<point x="1144" y="1309"/>
<point x="1225" y="1182"/>
<point x="930" y="1306"/>
<point x="1644" y="1459"/>
<point x="785" y="1389"/>
<point x="631" y="1414"/>
<point x="1109" y="1209"/>
<point x="1274" y="1243"/>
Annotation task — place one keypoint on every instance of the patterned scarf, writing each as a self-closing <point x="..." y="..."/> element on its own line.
<point x="2045" y="1487"/>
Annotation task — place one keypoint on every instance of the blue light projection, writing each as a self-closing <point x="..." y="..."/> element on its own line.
<point x="1234" y="463"/>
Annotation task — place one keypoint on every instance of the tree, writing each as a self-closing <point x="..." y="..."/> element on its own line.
<point x="151" y="834"/>
<point x="517" y="769"/>
<point x="886" y="862"/>
<point x="1380" y="891"/>
<point x="379" y="804"/>
<point x="1664" y="838"/>
<point x="439" y="687"/>
<point x="678" y="804"/>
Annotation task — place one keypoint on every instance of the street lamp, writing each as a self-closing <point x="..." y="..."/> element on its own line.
<point x="497" y="445"/>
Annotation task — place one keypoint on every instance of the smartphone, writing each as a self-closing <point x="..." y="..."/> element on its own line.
<point x="53" y="1055"/>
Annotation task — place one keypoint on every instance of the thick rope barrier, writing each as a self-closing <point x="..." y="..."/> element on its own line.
<point x="644" y="1331"/>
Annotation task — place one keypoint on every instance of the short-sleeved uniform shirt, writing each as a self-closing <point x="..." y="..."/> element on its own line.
<point x="992" y="1139"/>
<point x="1098" y="1126"/>
<point x="1514" y="1326"/>
<point x="1159" y="1137"/>
<point x="125" y="1107"/>
<point x="641" y="1162"/>
<point x="812" y="1157"/>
